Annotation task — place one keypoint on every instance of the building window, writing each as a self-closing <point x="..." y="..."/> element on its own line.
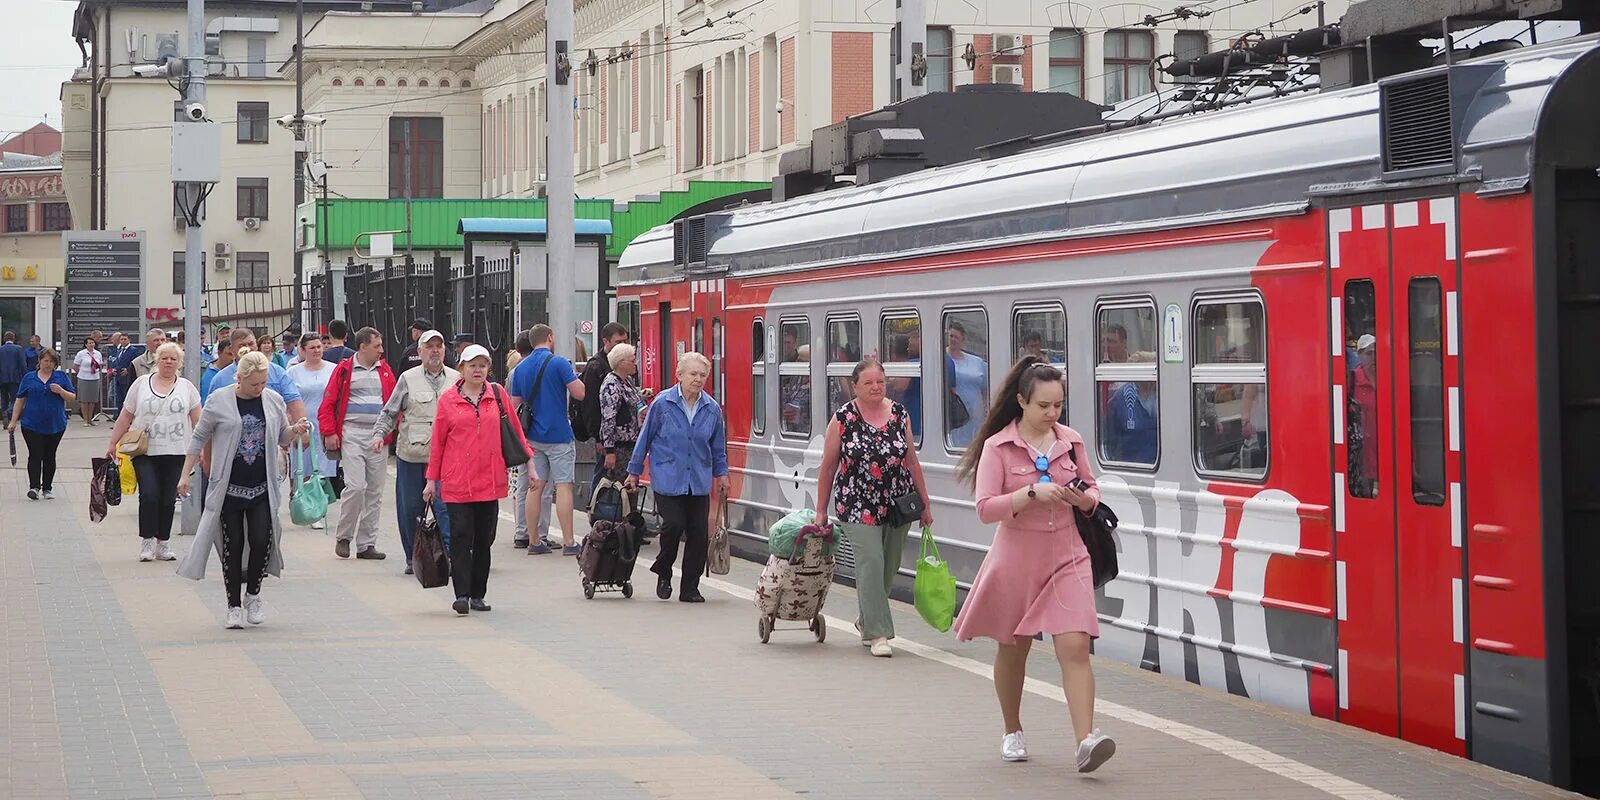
<point x="1190" y="45"/>
<point x="252" y="269"/>
<point x="966" y="375"/>
<point x="55" y="217"/>
<point x="1066" y="61"/>
<point x="180" y="271"/>
<point x="1229" y="377"/>
<point x="252" y="121"/>
<point x="252" y="198"/>
<point x="758" y="377"/>
<point x="794" y="377"/>
<point x="694" y="116"/>
<point x="1126" y="384"/>
<point x="844" y="350"/>
<point x="255" y="58"/>
<point x="941" y="62"/>
<point x="416" y="157"/>
<point x="900" y="348"/>
<point x="17" y="218"/>
<point x="1127" y="64"/>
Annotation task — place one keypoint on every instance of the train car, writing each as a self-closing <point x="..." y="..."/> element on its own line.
<point x="1327" y="350"/>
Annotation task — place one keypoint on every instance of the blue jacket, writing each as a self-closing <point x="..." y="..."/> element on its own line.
<point x="13" y="363"/>
<point x="683" y="457"/>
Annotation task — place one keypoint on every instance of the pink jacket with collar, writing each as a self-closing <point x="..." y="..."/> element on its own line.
<point x="1007" y="464"/>
<point x="465" y="456"/>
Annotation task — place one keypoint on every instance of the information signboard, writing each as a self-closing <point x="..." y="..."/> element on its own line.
<point x="105" y="284"/>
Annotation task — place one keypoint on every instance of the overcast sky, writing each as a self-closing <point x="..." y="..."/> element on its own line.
<point x="38" y="55"/>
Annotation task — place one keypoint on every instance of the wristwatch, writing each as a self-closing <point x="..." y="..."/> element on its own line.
<point x="1031" y="493"/>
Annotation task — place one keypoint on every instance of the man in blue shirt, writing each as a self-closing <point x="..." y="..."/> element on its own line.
<point x="13" y="365"/>
<point x="539" y="390"/>
<point x="221" y="361"/>
<point x="278" y="380"/>
<point x="337" y="351"/>
<point x="35" y="347"/>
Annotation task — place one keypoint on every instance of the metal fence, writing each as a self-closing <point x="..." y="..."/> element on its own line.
<point x="268" y="310"/>
<point x="473" y="298"/>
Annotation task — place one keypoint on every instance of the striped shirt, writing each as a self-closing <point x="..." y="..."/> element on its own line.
<point x="366" y="400"/>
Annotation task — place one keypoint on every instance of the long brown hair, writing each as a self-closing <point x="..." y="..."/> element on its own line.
<point x="1027" y="373"/>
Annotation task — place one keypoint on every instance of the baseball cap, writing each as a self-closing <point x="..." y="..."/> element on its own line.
<point x="464" y="338"/>
<point x="430" y="334"/>
<point x="420" y="324"/>
<point x="475" y="351"/>
<point x="1366" y="341"/>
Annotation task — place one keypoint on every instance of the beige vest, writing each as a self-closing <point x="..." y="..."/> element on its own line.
<point x="414" y="436"/>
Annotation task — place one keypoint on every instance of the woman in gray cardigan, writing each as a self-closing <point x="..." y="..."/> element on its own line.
<point x="244" y="425"/>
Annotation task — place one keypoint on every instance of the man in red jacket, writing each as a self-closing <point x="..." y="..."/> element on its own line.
<point x="357" y="390"/>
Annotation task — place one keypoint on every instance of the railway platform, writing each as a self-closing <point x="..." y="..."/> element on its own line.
<point x="119" y="681"/>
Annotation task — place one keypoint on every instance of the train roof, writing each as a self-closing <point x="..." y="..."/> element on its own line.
<point x="1259" y="160"/>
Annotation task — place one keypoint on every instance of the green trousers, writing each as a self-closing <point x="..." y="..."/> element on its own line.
<point x="877" y="549"/>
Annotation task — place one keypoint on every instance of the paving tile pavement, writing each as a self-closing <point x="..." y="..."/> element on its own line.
<point x="119" y="681"/>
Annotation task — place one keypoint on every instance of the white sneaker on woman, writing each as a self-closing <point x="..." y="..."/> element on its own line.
<point x="1013" y="748"/>
<point x="163" y="554"/>
<point x="147" y="550"/>
<point x="881" y="649"/>
<point x="235" y="618"/>
<point x="1094" y="750"/>
<point x="253" y="610"/>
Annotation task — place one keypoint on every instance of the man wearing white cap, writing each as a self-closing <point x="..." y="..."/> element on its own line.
<point x="410" y="413"/>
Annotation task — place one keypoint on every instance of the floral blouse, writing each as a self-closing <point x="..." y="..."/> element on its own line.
<point x="619" y="411"/>
<point x="872" y="465"/>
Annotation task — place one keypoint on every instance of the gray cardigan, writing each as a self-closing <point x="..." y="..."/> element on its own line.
<point x="220" y="425"/>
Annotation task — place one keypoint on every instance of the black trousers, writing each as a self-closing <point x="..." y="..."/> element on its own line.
<point x="683" y="517"/>
<point x="42" y="458"/>
<point x="472" y="528"/>
<point x="8" y="397"/>
<point x="252" y="524"/>
<point x="158" y="494"/>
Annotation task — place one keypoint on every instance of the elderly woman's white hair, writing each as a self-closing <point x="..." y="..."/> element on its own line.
<point x="691" y="356"/>
<point x="170" y="347"/>
<point x="620" y="353"/>
<point x="252" y="362"/>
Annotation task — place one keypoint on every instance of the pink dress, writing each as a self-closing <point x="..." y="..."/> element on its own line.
<point x="1036" y="577"/>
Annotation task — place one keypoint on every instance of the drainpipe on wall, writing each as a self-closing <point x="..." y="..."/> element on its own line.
<point x="94" y="122"/>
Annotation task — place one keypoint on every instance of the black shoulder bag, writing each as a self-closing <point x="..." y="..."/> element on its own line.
<point x="1096" y="528"/>
<point x="538" y="383"/>
<point x="512" y="449"/>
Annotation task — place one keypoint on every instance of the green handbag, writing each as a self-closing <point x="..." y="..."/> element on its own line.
<point x="309" y="503"/>
<point x="935" y="588"/>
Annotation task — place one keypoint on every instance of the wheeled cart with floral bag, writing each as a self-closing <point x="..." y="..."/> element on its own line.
<point x="794" y="588"/>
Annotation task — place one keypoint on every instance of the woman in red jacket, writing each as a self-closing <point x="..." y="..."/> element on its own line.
<point x="466" y="466"/>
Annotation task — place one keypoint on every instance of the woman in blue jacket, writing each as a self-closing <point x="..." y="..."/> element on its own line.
<point x="41" y="411"/>
<point x="685" y="441"/>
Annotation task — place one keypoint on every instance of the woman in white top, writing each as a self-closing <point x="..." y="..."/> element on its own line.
<point x="90" y="363"/>
<point x="311" y="376"/>
<point x="166" y="408"/>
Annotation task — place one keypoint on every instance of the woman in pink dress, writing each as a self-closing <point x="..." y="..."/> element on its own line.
<point x="1029" y="474"/>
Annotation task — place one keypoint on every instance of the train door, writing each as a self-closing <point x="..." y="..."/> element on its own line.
<point x="1397" y="470"/>
<point x="706" y="311"/>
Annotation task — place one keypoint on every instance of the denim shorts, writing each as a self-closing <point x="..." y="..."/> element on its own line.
<point x="555" y="462"/>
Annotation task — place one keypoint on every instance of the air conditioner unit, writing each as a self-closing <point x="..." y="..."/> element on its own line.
<point x="222" y="263"/>
<point x="252" y="223"/>
<point x="1008" y="44"/>
<point x="223" y="249"/>
<point x="1008" y="73"/>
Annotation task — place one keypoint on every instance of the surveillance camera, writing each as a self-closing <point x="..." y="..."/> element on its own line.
<point x="149" y="70"/>
<point x="777" y="107"/>
<point x="285" y="121"/>
<point x="194" y="112"/>
<point x="313" y="119"/>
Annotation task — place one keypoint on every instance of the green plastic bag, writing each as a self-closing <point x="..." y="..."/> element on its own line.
<point x="781" y="536"/>
<point x="309" y="504"/>
<point x="935" y="588"/>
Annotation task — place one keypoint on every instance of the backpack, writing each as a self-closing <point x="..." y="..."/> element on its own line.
<point x="585" y="414"/>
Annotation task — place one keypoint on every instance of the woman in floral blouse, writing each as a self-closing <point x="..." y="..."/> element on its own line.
<point x="870" y="459"/>
<point x="621" y="406"/>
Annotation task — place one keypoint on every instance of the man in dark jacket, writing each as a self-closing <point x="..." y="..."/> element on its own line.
<point x="13" y="365"/>
<point x="585" y="413"/>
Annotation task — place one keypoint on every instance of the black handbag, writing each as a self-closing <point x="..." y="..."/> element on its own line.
<point x="1097" y="529"/>
<point x="906" y="510"/>
<point x="428" y="553"/>
<point x="512" y="448"/>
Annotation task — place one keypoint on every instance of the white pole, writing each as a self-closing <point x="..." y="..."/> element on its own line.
<point x="194" y="91"/>
<point x="913" y="47"/>
<point x="561" y="249"/>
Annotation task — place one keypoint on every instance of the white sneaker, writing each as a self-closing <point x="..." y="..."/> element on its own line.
<point x="1094" y="750"/>
<point x="1013" y="747"/>
<point x="163" y="554"/>
<point x="235" y="618"/>
<point x="253" y="610"/>
<point x="882" y="650"/>
<point x="48" y="494"/>
<point x="318" y="525"/>
<point x="147" y="551"/>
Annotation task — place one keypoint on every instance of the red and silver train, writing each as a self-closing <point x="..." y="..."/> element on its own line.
<point x="1328" y="350"/>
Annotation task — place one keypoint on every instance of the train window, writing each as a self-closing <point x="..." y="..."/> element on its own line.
<point x="628" y="315"/>
<point x="1041" y="331"/>
<point x="900" y="349"/>
<point x="718" y="385"/>
<point x="1427" y="392"/>
<point x="1361" y="388"/>
<point x="794" y="377"/>
<point x="1126" y="383"/>
<point x="758" y="377"/>
<point x="1229" y="377"/>
<point x="844" y="350"/>
<point x="699" y="341"/>
<point x="966" y="374"/>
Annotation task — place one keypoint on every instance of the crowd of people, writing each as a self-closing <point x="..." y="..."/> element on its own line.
<point x="463" y="442"/>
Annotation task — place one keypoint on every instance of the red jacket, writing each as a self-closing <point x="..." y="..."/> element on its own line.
<point x="465" y="457"/>
<point x="336" y="398"/>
